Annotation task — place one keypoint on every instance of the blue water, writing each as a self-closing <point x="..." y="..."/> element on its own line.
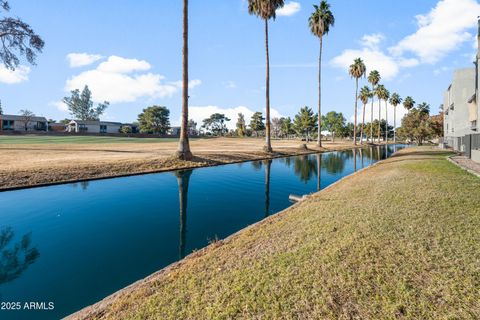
<point x="71" y="245"/>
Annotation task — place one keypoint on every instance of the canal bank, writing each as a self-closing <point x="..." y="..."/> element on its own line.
<point x="399" y="239"/>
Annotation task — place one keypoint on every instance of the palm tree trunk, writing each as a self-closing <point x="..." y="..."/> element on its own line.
<point x="386" y="121"/>
<point x="371" y="116"/>
<point x="183" y="151"/>
<point x="394" y="124"/>
<point x="379" y="117"/>
<point x="320" y="94"/>
<point x="268" y="145"/>
<point x="363" y="124"/>
<point x="355" y="113"/>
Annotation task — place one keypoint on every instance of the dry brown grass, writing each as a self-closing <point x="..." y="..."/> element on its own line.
<point x="45" y="163"/>
<point x="400" y="240"/>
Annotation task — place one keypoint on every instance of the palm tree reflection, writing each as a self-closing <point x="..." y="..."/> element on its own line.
<point x="268" y="164"/>
<point x="319" y="171"/>
<point x="334" y="162"/>
<point x="305" y="167"/>
<point x="183" y="179"/>
<point x="15" y="258"/>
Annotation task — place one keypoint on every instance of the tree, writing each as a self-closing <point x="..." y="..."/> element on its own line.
<point x="320" y="22"/>
<point x="126" y="129"/>
<point x="256" y="122"/>
<point x="395" y="100"/>
<point x="241" y="125"/>
<point x="357" y="70"/>
<point x="27" y="116"/>
<point x="65" y="121"/>
<point x="416" y="126"/>
<point x="154" y="119"/>
<point x="424" y="107"/>
<point x="373" y="78"/>
<point x="192" y="127"/>
<point x="183" y="151"/>
<point x="408" y="103"/>
<point x="386" y="96"/>
<point x="334" y="122"/>
<point x="436" y="124"/>
<point x="276" y="126"/>
<point x="286" y="126"/>
<point x="1" y="110"/>
<point x="81" y="105"/>
<point x="17" y="38"/>
<point x="365" y="94"/>
<point x="381" y="93"/>
<point x="266" y="10"/>
<point x="305" y="122"/>
<point x="216" y="124"/>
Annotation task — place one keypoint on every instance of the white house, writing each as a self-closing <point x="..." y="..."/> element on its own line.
<point x="95" y="126"/>
<point x="22" y="123"/>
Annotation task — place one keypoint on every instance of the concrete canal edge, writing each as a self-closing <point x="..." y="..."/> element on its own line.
<point x="97" y="309"/>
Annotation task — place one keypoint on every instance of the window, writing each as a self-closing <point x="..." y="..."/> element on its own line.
<point x="103" y="128"/>
<point x="473" y="125"/>
<point x="7" y="124"/>
<point x="82" y="127"/>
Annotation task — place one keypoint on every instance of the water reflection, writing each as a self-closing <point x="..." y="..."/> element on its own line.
<point x="257" y="165"/>
<point x="83" y="185"/>
<point x="305" y="168"/>
<point x="268" y="165"/>
<point x="183" y="179"/>
<point x="319" y="170"/>
<point x="15" y="258"/>
<point x="334" y="162"/>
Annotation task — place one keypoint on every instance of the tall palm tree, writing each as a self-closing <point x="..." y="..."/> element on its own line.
<point x="266" y="10"/>
<point x="395" y="100"/>
<point x="408" y="103"/>
<point x="357" y="70"/>
<point x="365" y="94"/>
<point x="386" y="95"/>
<point x="183" y="151"/>
<point x="380" y="91"/>
<point x="374" y="78"/>
<point x="320" y="22"/>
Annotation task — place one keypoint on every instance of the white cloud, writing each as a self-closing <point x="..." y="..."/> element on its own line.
<point x="11" y="77"/>
<point x="372" y="41"/>
<point x="401" y="112"/>
<point x="59" y="105"/>
<point x="117" y="80"/>
<point x="198" y="113"/>
<point x="230" y="84"/>
<point x="82" y="59"/>
<point x="440" y="31"/>
<point x="289" y="9"/>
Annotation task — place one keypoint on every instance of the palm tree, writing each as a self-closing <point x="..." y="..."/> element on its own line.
<point x="395" y="100"/>
<point x="365" y="94"/>
<point x="380" y="91"/>
<point x="385" y="97"/>
<point x="408" y="103"/>
<point x="374" y="78"/>
<point x="357" y="70"/>
<point x="266" y="10"/>
<point x="320" y="22"/>
<point x="183" y="151"/>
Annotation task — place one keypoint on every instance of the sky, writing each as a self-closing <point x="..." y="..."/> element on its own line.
<point x="129" y="53"/>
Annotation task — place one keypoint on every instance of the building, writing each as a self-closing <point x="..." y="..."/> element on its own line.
<point x="460" y="108"/>
<point x="22" y="123"/>
<point x="56" y="127"/>
<point x="93" y="126"/>
<point x="174" y="131"/>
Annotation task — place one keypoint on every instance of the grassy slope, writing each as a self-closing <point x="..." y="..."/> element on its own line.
<point x="401" y="239"/>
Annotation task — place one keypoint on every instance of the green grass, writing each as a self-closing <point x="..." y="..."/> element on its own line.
<point x="399" y="240"/>
<point x="41" y="139"/>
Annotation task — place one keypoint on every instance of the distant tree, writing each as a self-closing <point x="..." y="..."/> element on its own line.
<point x="357" y="70"/>
<point x="216" y="124"/>
<point x="334" y="122"/>
<point x="374" y="126"/>
<point x="320" y="22"/>
<point x="256" y="122"/>
<point x="241" y="125"/>
<point x="65" y="121"/>
<point x="416" y="126"/>
<point x="17" y="38"/>
<point x="373" y="78"/>
<point x="305" y="122"/>
<point x="395" y="100"/>
<point x="276" y="127"/>
<point x="436" y="124"/>
<point x="192" y="127"/>
<point x="382" y="94"/>
<point x="81" y="107"/>
<point x="365" y="94"/>
<point x="27" y="116"/>
<point x="126" y="129"/>
<point x="286" y="126"/>
<point x="1" y="110"/>
<point x="424" y="107"/>
<point x="347" y="131"/>
<point x="408" y="103"/>
<point x="154" y="119"/>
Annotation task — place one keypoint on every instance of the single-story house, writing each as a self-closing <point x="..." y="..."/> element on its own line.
<point x="22" y="123"/>
<point x="174" y="131"/>
<point x="93" y="126"/>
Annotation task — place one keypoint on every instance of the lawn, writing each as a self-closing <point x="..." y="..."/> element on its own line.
<point x="398" y="240"/>
<point x="43" y="139"/>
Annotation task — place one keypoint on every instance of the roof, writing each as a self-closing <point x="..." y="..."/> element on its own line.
<point x="21" y="118"/>
<point x="95" y="122"/>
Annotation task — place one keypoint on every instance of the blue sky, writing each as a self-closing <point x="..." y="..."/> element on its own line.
<point x="129" y="53"/>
